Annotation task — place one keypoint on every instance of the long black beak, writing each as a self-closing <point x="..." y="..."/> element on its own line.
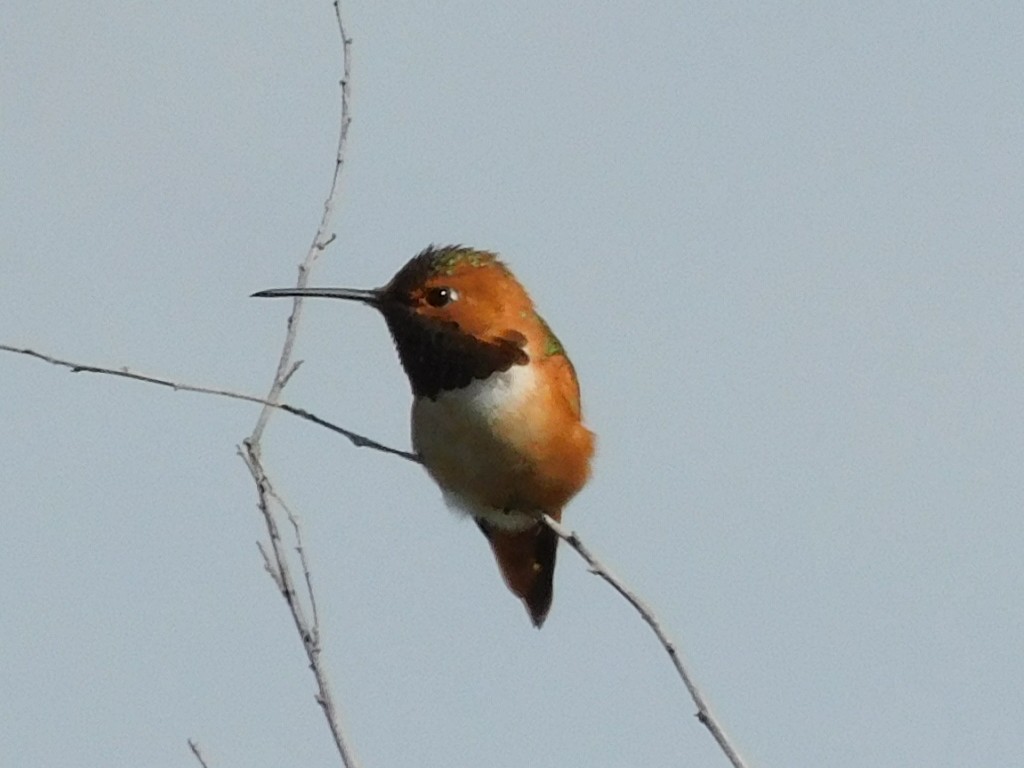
<point x="372" y="297"/>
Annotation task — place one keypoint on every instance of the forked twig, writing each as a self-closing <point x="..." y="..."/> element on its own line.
<point x="300" y="549"/>
<point x="277" y="562"/>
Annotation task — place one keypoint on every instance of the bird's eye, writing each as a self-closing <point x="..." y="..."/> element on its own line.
<point x="440" y="296"/>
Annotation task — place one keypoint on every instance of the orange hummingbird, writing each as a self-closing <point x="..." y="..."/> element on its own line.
<point x="496" y="414"/>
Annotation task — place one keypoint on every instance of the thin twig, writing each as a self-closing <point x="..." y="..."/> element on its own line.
<point x="358" y="440"/>
<point x="300" y="548"/>
<point x="570" y="537"/>
<point x="704" y="714"/>
<point x="308" y="633"/>
<point x="268" y="564"/>
<point x="278" y="566"/>
<point x="321" y="239"/>
<point x="199" y="755"/>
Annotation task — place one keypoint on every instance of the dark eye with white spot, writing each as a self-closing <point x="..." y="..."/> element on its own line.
<point x="441" y="295"/>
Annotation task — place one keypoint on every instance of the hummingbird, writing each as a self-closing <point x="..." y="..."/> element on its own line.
<point x="496" y="418"/>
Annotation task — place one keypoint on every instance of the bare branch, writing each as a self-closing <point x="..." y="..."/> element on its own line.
<point x="278" y="564"/>
<point x="276" y="561"/>
<point x="273" y="568"/>
<point x="291" y="371"/>
<point x="570" y="537"/>
<point x="321" y="239"/>
<point x="268" y="564"/>
<point x="199" y="755"/>
<point x="301" y="550"/>
<point x="308" y="633"/>
<point x="358" y="440"/>
<point x="704" y="714"/>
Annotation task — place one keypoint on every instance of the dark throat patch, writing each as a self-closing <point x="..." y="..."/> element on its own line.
<point x="437" y="356"/>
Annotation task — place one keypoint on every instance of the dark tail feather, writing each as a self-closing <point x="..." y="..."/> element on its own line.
<point x="527" y="563"/>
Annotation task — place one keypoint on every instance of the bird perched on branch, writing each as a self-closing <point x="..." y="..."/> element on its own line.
<point x="496" y="413"/>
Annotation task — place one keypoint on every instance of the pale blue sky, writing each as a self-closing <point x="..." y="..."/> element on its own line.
<point x="782" y="243"/>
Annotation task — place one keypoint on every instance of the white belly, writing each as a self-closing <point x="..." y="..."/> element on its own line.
<point x="472" y="445"/>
